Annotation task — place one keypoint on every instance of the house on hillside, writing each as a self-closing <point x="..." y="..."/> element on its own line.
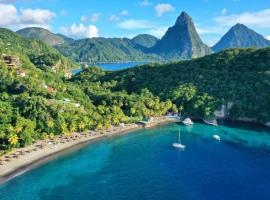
<point x="21" y="73"/>
<point x="50" y="90"/>
<point x="44" y="85"/>
<point x="54" y="69"/>
<point x="67" y="74"/>
<point x="11" y="61"/>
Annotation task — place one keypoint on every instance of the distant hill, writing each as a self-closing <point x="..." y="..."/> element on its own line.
<point x="65" y="38"/>
<point x="44" y="35"/>
<point x="240" y="36"/>
<point x="200" y="86"/>
<point x="182" y="41"/>
<point x="36" y="51"/>
<point x="145" y="40"/>
<point x="94" y="50"/>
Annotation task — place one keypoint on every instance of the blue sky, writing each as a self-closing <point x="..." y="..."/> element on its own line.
<point x="127" y="18"/>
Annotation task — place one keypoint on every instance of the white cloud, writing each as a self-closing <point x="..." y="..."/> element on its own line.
<point x="163" y="8"/>
<point x="224" y="11"/>
<point x="10" y="17"/>
<point x="80" y="31"/>
<point x="268" y="37"/>
<point x="257" y="19"/>
<point x="158" y="32"/>
<point x="36" y="16"/>
<point x="93" y="18"/>
<point x="145" y="3"/>
<point x="124" y="13"/>
<point x="114" y="18"/>
<point x="135" y="24"/>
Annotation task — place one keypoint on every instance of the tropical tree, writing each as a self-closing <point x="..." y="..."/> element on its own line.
<point x="81" y="126"/>
<point x="73" y="127"/>
<point x="13" y="140"/>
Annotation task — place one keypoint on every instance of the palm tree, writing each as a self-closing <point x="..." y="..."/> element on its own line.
<point x="81" y="126"/>
<point x="50" y="124"/>
<point x="63" y="128"/>
<point x="73" y="127"/>
<point x="18" y="129"/>
<point x="10" y="128"/>
<point x="13" y="139"/>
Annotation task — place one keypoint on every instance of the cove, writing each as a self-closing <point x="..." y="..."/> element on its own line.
<point x="144" y="165"/>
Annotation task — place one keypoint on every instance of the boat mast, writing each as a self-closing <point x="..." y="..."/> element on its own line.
<point x="179" y="137"/>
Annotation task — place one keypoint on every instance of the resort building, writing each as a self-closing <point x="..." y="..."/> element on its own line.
<point x="21" y="73"/>
<point x="11" y="61"/>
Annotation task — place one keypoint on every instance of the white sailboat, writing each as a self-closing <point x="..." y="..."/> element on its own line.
<point x="179" y="145"/>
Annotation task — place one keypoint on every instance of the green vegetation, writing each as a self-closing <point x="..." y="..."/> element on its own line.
<point x="34" y="51"/>
<point x="180" y="42"/>
<point x="200" y="86"/>
<point x="145" y="41"/>
<point x="44" y="35"/>
<point x="42" y="103"/>
<point x="109" y="50"/>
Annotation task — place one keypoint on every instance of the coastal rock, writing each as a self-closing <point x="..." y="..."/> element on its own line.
<point x="224" y="111"/>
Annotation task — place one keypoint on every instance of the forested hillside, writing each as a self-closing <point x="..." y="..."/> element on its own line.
<point x="109" y="50"/>
<point x="35" y="51"/>
<point x="199" y="86"/>
<point x="38" y="102"/>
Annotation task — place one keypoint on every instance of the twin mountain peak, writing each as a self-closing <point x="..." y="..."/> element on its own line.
<point x="181" y="41"/>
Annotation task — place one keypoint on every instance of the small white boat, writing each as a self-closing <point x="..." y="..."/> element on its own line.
<point x="187" y="122"/>
<point x="179" y="145"/>
<point x="217" y="137"/>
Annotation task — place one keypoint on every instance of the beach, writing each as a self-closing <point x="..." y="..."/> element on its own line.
<point x="21" y="160"/>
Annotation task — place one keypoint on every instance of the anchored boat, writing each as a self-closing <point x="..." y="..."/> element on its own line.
<point x="179" y="145"/>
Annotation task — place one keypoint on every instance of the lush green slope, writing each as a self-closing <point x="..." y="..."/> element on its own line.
<point x="240" y="36"/>
<point x="65" y="38"/>
<point x="96" y="50"/>
<point x="145" y="41"/>
<point x="40" y="103"/>
<point x="41" y="34"/>
<point x="200" y="86"/>
<point x="35" y="51"/>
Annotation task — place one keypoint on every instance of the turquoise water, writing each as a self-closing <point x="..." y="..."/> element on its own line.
<point x="144" y="165"/>
<point x="113" y="66"/>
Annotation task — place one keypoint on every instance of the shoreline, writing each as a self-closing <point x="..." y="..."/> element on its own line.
<point x="37" y="156"/>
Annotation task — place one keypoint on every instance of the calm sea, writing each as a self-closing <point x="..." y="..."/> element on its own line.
<point x="143" y="165"/>
<point x="112" y="66"/>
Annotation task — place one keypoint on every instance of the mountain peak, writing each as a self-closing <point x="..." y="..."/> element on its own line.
<point x="182" y="40"/>
<point x="239" y="26"/>
<point x="240" y="36"/>
<point x="184" y="17"/>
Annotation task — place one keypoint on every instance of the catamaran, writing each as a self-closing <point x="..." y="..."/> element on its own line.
<point x="179" y="145"/>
